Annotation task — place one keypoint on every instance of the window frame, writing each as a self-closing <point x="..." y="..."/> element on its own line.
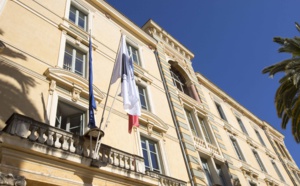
<point x="242" y="126"/>
<point x="145" y="96"/>
<point x="80" y="7"/>
<point x="221" y="174"/>
<point x="220" y="111"/>
<point x="259" y="137"/>
<point x="207" y="133"/>
<point x="207" y="171"/>
<point x="130" y="47"/>
<point x="258" y="160"/>
<point x="278" y="171"/>
<point x="192" y="125"/>
<point x="237" y="149"/>
<point x="75" y="51"/>
<point x="78" y="11"/>
<point x="73" y="106"/>
<point x="158" y="153"/>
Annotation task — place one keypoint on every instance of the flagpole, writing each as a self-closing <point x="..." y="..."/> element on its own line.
<point x="98" y="143"/>
<point x="102" y="117"/>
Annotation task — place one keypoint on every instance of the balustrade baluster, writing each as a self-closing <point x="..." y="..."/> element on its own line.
<point x="50" y="139"/>
<point x="33" y="135"/>
<point x="57" y="137"/>
<point x="41" y="132"/>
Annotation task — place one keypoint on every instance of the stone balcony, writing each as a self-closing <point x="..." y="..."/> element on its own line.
<point x="200" y="144"/>
<point x="42" y="138"/>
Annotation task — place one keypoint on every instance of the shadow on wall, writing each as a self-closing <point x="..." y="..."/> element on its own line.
<point x="14" y="93"/>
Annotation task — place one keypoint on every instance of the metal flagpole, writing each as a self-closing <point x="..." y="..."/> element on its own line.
<point x="98" y="142"/>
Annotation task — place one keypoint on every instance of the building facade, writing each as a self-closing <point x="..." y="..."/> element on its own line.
<point x="191" y="132"/>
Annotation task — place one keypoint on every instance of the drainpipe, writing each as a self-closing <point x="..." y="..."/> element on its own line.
<point x="174" y="118"/>
<point x="279" y="156"/>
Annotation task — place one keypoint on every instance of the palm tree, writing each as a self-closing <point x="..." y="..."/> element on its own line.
<point x="287" y="97"/>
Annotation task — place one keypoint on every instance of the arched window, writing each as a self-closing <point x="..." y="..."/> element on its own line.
<point x="179" y="81"/>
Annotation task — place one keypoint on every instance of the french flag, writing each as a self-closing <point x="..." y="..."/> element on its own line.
<point x="124" y="69"/>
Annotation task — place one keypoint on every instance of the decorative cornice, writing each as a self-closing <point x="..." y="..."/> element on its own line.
<point x="77" y="84"/>
<point x="153" y="28"/>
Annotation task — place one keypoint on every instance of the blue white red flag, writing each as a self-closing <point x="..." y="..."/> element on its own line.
<point x="124" y="69"/>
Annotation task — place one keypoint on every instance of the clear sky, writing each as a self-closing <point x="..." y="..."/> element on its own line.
<point x="232" y="43"/>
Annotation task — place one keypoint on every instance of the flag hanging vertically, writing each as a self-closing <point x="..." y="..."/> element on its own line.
<point x="92" y="103"/>
<point x="124" y="69"/>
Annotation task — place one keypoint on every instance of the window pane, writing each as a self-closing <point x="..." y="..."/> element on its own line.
<point x="72" y="14"/>
<point x="260" y="138"/>
<point x="143" y="98"/>
<point x="242" y="126"/>
<point x="75" y="124"/>
<point x="207" y="171"/>
<point x="204" y="130"/>
<point x="68" y="58"/>
<point x="80" y="62"/>
<point x="82" y="20"/>
<point x="221" y="112"/>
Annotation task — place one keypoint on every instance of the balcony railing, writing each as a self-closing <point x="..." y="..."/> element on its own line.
<point x="37" y="132"/>
<point x="166" y="180"/>
<point x="200" y="144"/>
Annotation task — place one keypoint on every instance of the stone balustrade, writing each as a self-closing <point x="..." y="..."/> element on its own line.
<point x="199" y="143"/>
<point x="37" y="132"/>
<point x="166" y="180"/>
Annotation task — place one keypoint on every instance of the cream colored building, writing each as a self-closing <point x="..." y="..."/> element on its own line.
<point x="182" y="138"/>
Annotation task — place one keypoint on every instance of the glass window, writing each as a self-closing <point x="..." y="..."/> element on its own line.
<point x="261" y="165"/>
<point x="134" y="54"/>
<point x="143" y="97"/>
<point x="237" y="149"/>
<point x="74" y="60"/>
<point x="207" y="171"/>
<point x="179" y="81"/>
<point x="78" y="17"/>
<point x="192" y="123"/>
<point x="277" y="171"/>
<point x="70" y="118"/>
<point x="260" y="138"/>
<point x="242" y="125"/>
<point x="221" y="175"/>
<point x="221" y="112"/>
<point x="150" y="154"/>
<point x="205" y="130"/>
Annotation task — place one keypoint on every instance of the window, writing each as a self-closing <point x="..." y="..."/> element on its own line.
<point x="221" y="175"/>
<point x="237" y="149"/>
<point x="261" y="165"/>
<point x="134" y="54"/>
<point x="70" y="118"/>
<point x="221" y="112"/>
<point x="205" y="130"/>
<point x="277" y="170"/>
<point x="207" y="171"/>
<point x="150" y="154"/>
<point x="78" y="17"/>
<point x="179" y="81"/>
<point x="74" y="60"/>
<point x="259" y="137"/>
<point x="192" y="123"/>
<point x="143" y="97"/>
<point x="242" y="125"/>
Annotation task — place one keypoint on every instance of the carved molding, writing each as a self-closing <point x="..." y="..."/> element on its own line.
<point x="11" y="180"/>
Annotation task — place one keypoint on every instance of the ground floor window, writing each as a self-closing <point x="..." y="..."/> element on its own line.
<point x="70" y="118"/>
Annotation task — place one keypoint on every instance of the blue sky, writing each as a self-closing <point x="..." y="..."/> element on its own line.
<point x="232" y="43"/>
